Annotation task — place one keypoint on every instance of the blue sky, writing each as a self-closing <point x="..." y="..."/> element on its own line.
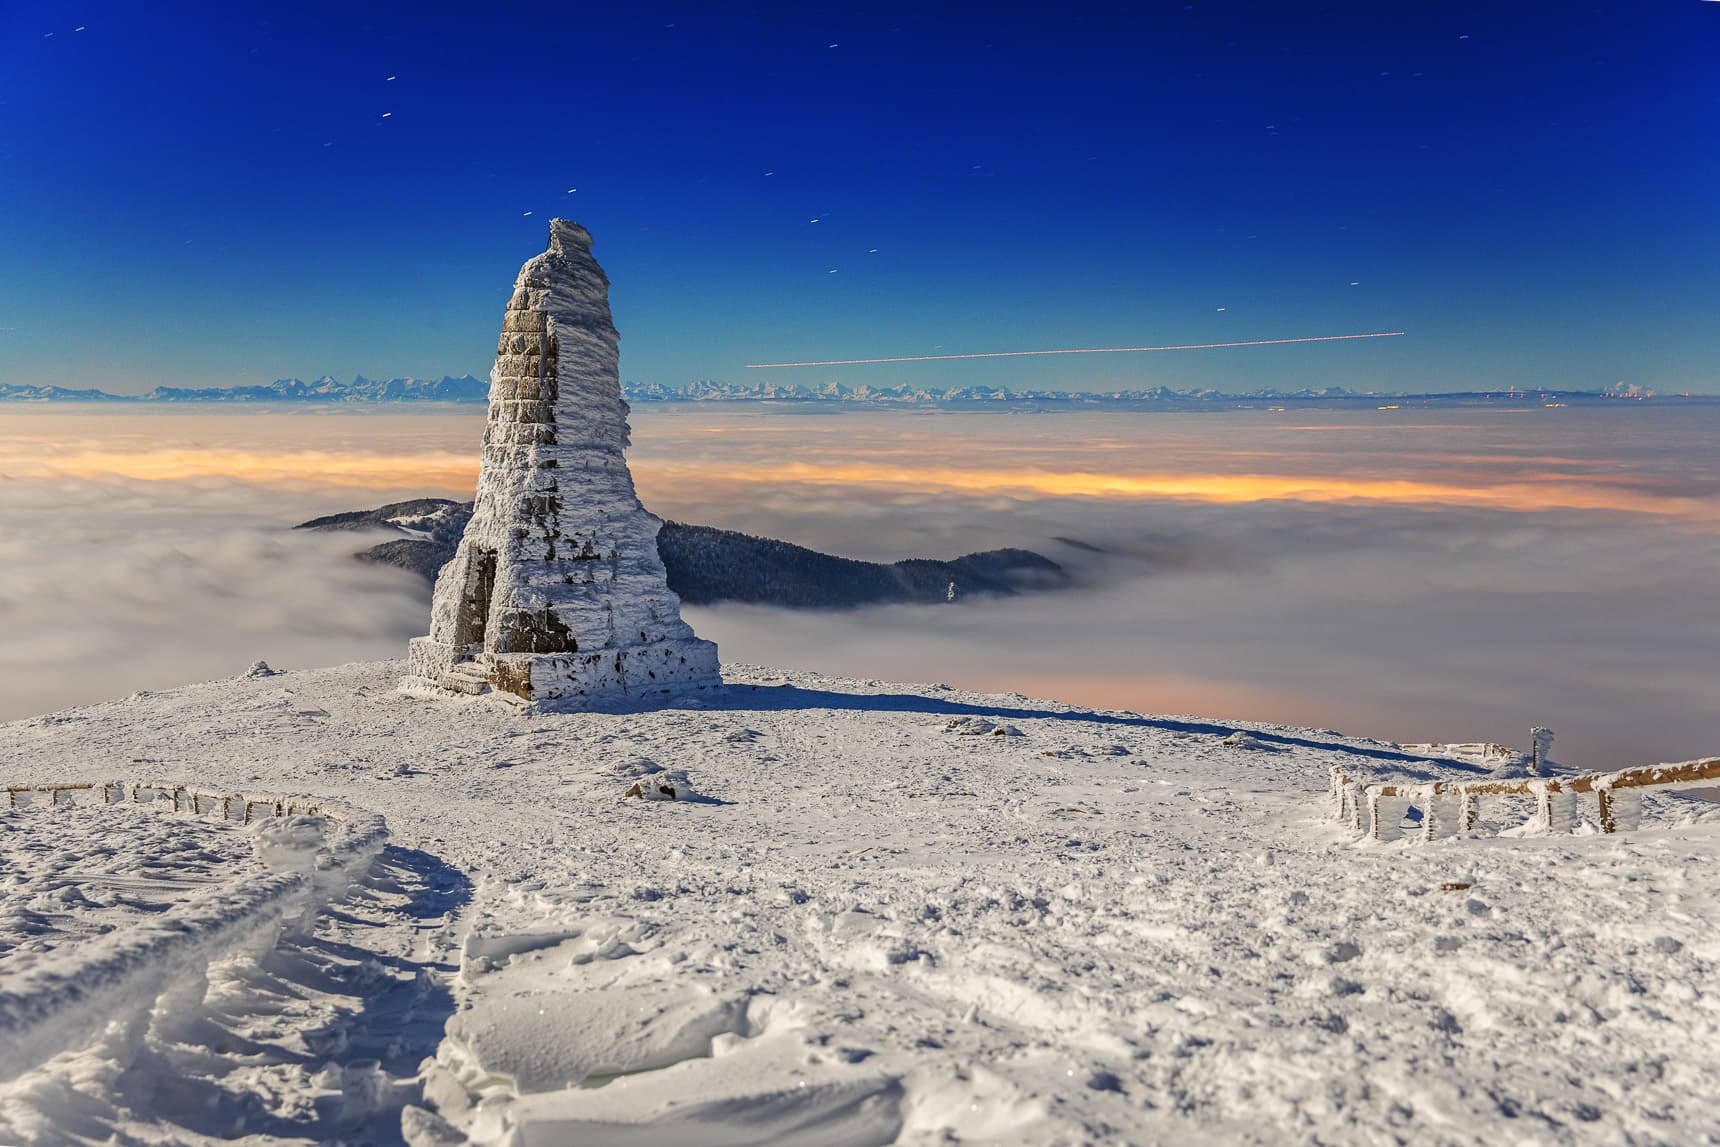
<point x="233" y="193"/>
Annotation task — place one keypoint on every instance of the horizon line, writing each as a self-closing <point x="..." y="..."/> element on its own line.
<point x="1073" y="350"/>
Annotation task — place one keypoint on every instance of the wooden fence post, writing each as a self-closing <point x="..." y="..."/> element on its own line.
<point x="1625" y="808"/>
<point x="1382" y="826"/>
<point x="1435" y="812"/>
<point x="1554" y="807"/>
<point x="1468" y="809"/>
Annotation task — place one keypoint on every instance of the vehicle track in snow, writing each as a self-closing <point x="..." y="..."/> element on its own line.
<point x="309" y="1033"/>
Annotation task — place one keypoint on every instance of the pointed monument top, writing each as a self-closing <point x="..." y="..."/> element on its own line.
<point x="565" y="235"/>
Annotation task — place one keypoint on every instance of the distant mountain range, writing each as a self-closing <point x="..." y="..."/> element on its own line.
<point x="325" y="389"/>
<point x="467" y="389"/>
<point x="707" y="565"/>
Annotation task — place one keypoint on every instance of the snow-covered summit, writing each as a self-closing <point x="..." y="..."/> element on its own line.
<point x="870" y="927"/>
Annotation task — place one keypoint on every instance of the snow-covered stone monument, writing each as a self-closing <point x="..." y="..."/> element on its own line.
<point x="556" y="594"/>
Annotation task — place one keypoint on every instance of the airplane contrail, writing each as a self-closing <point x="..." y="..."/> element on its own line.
<point x="1074" y="350"/>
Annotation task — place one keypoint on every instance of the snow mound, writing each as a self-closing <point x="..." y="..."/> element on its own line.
<point x="748" y="1092"/>
<point x="635" y="767"/>
<point x="289" y="844"/>
<point x="541" y="1038"/>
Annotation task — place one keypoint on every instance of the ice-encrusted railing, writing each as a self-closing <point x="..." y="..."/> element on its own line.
<point x="114" y="792"/>
<point x="1376" y="809"/>
<point x="115" y="986"/>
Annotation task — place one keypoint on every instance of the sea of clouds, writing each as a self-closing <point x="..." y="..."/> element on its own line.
<point x="112" y="586"/>
<point x="1566" y="578"/>
<point x="1408" y="620"/>
<point x="1383" y="621"/>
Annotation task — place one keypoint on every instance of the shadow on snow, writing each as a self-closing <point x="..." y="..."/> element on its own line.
<point x="390" y="1013"/>
<point x="742" y="697"/>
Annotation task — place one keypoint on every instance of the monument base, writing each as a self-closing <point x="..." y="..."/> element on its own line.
<point x="428" y="659"/>
<point x="601" y="678"/>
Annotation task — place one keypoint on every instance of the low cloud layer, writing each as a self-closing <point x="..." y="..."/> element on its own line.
<point x="1593" y="609"/>
<point x="1454" y="628"/>
<point x="111" y="587"/>
<point x="1302" y="571"/>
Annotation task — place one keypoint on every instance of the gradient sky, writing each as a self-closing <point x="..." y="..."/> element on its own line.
<point x="234" y="193"/>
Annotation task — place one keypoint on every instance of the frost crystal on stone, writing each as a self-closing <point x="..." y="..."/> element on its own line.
<point x="556" y="594"/>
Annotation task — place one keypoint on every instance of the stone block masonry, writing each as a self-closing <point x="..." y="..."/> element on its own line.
<point x="556" y="594"/>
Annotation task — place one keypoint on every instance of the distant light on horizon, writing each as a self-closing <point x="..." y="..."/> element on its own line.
<point x="1076" y="350"/>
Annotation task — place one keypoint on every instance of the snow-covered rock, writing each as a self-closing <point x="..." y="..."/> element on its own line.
<point x="556" y="593"/>
<point x="981" y="727"/>
<point x="1245" y="740"/>
<point x="663" y="785"/>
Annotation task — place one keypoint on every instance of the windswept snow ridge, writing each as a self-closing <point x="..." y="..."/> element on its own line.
<point x="150" y="971"/>
<point x="63" y="1003"/>
<point x="61" y="1006"/>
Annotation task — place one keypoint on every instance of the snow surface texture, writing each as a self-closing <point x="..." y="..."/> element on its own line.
<point x="869" y="927"/>
<point x="557" y="586"/>
<point x="95" y="1007"/>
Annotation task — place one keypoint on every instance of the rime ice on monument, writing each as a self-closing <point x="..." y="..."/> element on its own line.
<point x="556" y="594"/>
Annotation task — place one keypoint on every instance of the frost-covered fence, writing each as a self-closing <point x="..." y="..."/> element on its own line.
<point x="111" y="986"/>
<point x="1455" y="806"/>
<point x="1469" y="750"/>
<point x="183" y="797"/>
<point x="54" y="791"/>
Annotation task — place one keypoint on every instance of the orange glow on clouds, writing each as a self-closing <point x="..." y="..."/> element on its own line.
<point x="1521" y="494"/>
<point x="457" y="475"/>
<point x="687" y="459"/>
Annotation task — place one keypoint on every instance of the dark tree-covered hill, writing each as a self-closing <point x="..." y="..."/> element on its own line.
<point x="707" y="566"/>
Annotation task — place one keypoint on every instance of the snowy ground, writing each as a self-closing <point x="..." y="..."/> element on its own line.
<point x="70" y="876"/>
<point x="867" y="928"/>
